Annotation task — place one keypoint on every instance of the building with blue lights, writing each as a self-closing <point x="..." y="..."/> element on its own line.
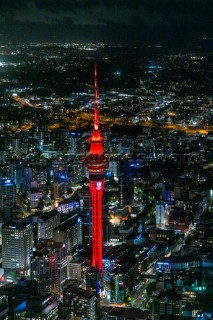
<point x="16" y="172"/>
<point x="178" y="263"/>
<point x="7" y="193"/>
<point x="61" y="171"/>
<point x="68" y="205"/>
<point x="38" y="308"/>
<point x="123" y="266"/>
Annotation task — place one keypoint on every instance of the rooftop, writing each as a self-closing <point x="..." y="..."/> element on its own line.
<point x="125" y="313"/>
<point x="47" y="215"/>
<point x="170" y="294"/>
<point x="68" y="223"/>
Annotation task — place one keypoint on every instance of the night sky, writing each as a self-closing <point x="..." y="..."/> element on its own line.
<point x="142" y="22"/>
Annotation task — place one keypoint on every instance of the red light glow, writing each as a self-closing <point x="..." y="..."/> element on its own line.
<point x="96" y="162"/>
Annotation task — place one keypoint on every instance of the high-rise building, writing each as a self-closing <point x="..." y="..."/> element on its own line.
<point x="34" y="177"/>
<point x="167" y="302"/>
<point x="58" y="190"/>
<point x="17" y="241"/>
<point x="79" y="303"/>
<point x="7" y="193"/>
<point x="86" y="213"/>
<point x="114" y="168"/>
<point x="76" y="172"/>
<point x="162" y="213"/>
<point x="126" y="189"/>
<point x="16" y="172"/>
<point x="77" y="268"/>
<point x="18" y="146"/>
<point x="49" y="266"/>
<point x="96" y="162"/>
<point x="93" y="280"/>
<point x="17" y="293"/>
<point x="45" y="223"/>
<point x="61" y="171"/>
<point x="152" y="231"/>
<point x="70" y="233"/>
<point x="73" y="143"/>
<point x="3" y="156"/>
<point x="34" y="198"/>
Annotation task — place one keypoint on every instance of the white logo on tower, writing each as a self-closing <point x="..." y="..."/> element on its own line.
<point x="99" y="185"/>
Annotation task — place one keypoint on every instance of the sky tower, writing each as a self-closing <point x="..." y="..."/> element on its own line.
<point x="96" y="162"/>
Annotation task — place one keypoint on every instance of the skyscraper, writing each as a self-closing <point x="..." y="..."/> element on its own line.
<point x="96" y="162"/>
<point x="7" y="193"/>
<point x="17" y="241"/>
<point x="49" y="266"/>
<point x="79" y="303"/>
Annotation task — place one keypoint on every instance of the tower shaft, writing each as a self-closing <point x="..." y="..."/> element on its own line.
<point x="96" y="190"/>
<point x="96" y="162"/>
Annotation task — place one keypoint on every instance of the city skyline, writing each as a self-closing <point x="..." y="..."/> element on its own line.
<point x="160" y="22"/>
<point x="106" y="194"/>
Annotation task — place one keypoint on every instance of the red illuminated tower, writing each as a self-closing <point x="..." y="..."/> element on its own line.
<point x="96" y="162"/>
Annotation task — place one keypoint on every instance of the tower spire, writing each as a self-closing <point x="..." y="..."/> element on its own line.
<point x="96" y="139"/>
<point x="95" y="98"/>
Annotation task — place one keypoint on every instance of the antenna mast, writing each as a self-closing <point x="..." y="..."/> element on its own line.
<point x="95" y="99"/>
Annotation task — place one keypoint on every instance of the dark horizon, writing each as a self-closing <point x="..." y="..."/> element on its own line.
<point x="177" y="24"/>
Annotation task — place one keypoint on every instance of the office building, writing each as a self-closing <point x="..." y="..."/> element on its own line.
<point x="79" y="303"/>
<point x="77" y="268"/>
<point x="16" y="173"/>
<point x="46" y="222"/>
<point x="167" y="302"/>
<point x="93" y="280"/>
<point x="49" y="266"/>
<point x="17" y="242"/>
<point x="7" y="193"/>
<point x="86" y="213"/>
<point x="70" y="233"/>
